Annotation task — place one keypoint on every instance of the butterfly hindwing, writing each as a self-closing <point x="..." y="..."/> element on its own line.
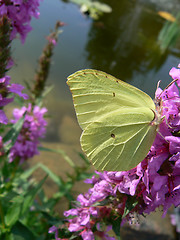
<point x="119" y="141"/>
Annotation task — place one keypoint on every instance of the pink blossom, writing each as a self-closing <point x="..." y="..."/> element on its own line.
<point x="175" y="74"/>
<point x="34" y="127"/>
<point x="7" y="88"/>
<point x="20" y="14"/>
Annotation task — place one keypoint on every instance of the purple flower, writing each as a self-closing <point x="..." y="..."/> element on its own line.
<point x="17" y="88"/>
<point x="85" y="218"/>
<point x="54" y="229"/>
<point x="153" y="183"/>
<point x="5" y="89"/>
<point x="20" y="14"/>
<point x="103" y="233"/>
<point x="34" y="127"/>
<point x="175" y="74"/>
<point x="87" y="234"/>
<point x="3" y="118"/>
<point x="51" y="40"/>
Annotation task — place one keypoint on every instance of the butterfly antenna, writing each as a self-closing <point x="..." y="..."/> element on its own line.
<point x="158" y="84"/>
<point x="158" y="87"/>
<point x="175" y="80"/>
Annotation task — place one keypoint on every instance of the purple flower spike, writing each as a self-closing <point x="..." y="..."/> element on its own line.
<point x="5" y="89"/>
<point x="20" y="14"/>
<point x="34" y="127"/>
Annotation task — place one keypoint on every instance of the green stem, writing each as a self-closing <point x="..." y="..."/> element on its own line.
<point x="2" y="216"/>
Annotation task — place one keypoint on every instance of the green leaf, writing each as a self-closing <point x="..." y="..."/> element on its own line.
<point x="10" y="138"/>
<point x="84" y="175"/>
<point x="6" y="236"/>
<point x="29" y="197"/>
<point x="116" y="225"/>
<point x="176" y="134"/>
<point x="3" y="127"/>
<point x="25" y="175"/>
<point x="39" y="100"/>
<point x="65" y="190"/>
<point x="102" y="7"/>
<point x="61" y="152"/>
<point x="130" y="204"/>
<point x="53" y="220"/>
<point x="52" y="175"/>
<point x="169" y="34"/>
<point x="19" y="100"/>
<point x="47" y="90"/>
<point x="22" y="232"/>
<point x="84" y="158"/>
<point x="94" y="8"/>
<point x="14" y="210"/>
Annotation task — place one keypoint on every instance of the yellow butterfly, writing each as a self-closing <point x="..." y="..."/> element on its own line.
<point x="119" y="121"/>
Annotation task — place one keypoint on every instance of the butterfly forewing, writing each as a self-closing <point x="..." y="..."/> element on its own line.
<point x="95" y="93"/>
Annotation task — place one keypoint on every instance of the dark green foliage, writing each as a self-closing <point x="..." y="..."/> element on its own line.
<point x="169" y="34"/>
<point x="25" y="210"/>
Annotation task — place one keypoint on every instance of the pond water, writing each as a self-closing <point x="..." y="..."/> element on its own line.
<point x="122" y="43"/>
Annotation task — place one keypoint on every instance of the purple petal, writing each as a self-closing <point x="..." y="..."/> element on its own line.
<point x="87" y="235"/>
<point x="17" y="88"/>
<point x="175" y="74"/>
<point x="3" y="118"/>
<point x="174" y="144"/>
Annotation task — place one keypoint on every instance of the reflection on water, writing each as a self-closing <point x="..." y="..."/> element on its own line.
<point x="122" y="43"/>
<point x="127" y="45"/>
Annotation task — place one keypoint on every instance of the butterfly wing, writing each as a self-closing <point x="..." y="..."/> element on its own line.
<point x="119" y="140"/>
<point x="116" y="118"/>
<point x="96" y="93"/>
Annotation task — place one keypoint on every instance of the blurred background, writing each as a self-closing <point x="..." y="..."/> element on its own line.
<point x="137" y="41"/>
